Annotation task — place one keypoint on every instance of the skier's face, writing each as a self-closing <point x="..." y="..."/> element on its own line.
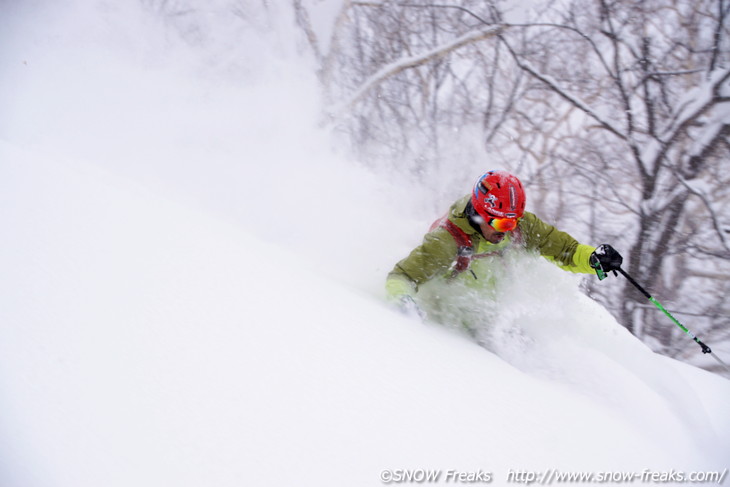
<point x="490" y="234"/>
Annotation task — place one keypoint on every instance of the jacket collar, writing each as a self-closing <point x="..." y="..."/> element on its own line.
<point x="457" y="214"/>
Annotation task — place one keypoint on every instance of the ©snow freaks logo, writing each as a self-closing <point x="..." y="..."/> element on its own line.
<point x="422" y="476"/>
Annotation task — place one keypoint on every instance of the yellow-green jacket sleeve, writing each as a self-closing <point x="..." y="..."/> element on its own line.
<point x="433" y="257"/>
<point x="556" y="246"/>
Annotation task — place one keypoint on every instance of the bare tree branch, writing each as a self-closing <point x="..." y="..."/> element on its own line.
<point x="401" y="65"/>
<point x="553" y="85"/>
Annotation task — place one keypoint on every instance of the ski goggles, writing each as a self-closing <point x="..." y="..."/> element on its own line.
<point x="503" y="225"/>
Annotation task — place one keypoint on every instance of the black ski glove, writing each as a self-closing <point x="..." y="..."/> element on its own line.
<point x="604" y="260"/>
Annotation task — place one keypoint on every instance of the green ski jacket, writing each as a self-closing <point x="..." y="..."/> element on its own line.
<point x="437" y="254"/>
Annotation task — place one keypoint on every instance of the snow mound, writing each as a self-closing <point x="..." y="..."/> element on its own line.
<point x="147" y="343"/>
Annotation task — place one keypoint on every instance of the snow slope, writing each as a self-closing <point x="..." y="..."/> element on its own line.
<point x="187" y="301"/>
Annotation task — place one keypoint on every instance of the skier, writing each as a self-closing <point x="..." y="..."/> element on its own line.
<point x="466" y="245"/>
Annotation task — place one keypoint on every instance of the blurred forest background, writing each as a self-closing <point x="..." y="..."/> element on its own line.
<point x="614" y="113"/>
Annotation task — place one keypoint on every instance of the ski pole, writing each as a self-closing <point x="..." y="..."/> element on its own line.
<point x="705" y="348"/>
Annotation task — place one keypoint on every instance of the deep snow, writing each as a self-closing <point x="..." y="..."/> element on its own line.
<point x="192" y="290"/>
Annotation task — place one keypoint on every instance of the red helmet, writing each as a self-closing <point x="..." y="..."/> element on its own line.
<point x="498" y="194"/>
